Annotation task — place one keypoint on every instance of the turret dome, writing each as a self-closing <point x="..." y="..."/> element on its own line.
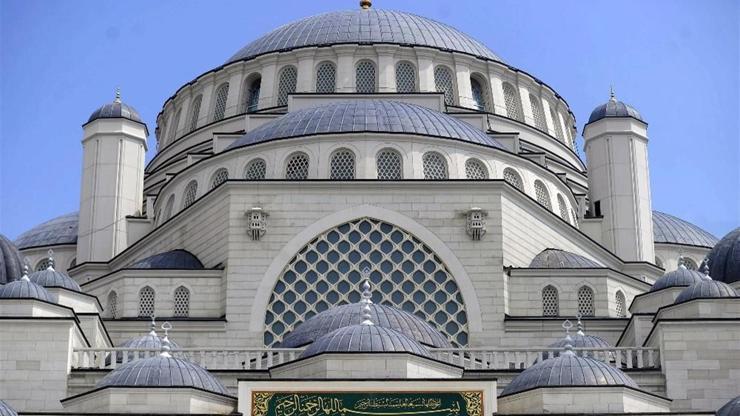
<point x="679" y="277"/>
<point x="614" y="108"/>
<point x="11" y="261"/>
<point x="24" y="288"/>
<point x="49" y="277"/>
<point x="724" y="258"/>
<point x="707" y="288"/>
<point x="116" y="109"/>
<point x="365" y="338"/>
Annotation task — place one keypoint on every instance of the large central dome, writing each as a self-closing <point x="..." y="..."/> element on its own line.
<point x="369" y="26"/>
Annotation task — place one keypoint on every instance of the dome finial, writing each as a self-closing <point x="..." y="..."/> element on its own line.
<point x="25" y="273"/>
<point x="153" y="327"/>
<point x="366" y="4"/>
<point x="579" y="325"/>
<point x="118" y="95"/>
<point x="166" y="340"/>
<point x="567" y="325"/>
<point x="366" y="298"/>
<point x="682" y="263"/>
<point x="612" y="96"/>
<point x="51" y="260"/>
<point x="705" y="269"/>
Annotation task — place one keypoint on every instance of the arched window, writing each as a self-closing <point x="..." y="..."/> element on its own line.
<point x="296" y="168"/>
<point x="688" y="263"/>
<point x="435" y="166"/>
<point x="475" y="169"/>
<point x="112" y="304"/>
<point x="389" y="165"/>
<point x="326" y="78"/>
<point x="513" y="178"/>
<point x="191" y="191"/>
<point x="43" y="264"/>
<point x="252" y="94"/>
<point x="365" y="77"/>
<point x="255" y="170"/>
<point x="182" y="302"/>
<point x="288" y="81"/>
<point x="480" y="95"/>
<point x="659" y="262"/>
<point x="147" y="299"/>
<point x="558" y="126"/>
<point x="586" y="301"/>
<point x="219" y="108"/>
<point x="550" y="301"/>
<point x="219" y="177"/>
<point x="342" y="165"/>
<point x="168" y="207"/>
<point x="444" y="83"/>
<point x="405" y="77"/>
<point x="195" y="112"/>
<point x="513" y="102"/>
<point x="175" y="124"/>
<point x="621" y="305"/>
<point x="537" y="113"/>
<point x="563" y="208"/>
<point x="543" y="197"/>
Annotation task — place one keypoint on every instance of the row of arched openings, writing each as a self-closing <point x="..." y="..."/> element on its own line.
<point x="147" y="303"/>
<point x="585" y="299"/>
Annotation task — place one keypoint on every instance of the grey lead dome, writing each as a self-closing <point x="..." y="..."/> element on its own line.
<point x="553" y="258"/>
<point x="364" y="338"/>
<point x="707" y="288"/>
<point x="116" y="109"/>
<point x="673" y="230"/>
<point x="614" y="108"/>
<point x="724" y="259"/>
<point x="11" y="261"/>
<point x="679" y="277"/>
<point x="25" y="289"/>
<point x="57" y="231"/>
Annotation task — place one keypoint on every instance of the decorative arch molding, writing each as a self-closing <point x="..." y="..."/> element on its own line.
<point x="289" y="250"/>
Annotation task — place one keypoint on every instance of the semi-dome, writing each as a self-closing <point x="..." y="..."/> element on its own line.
<point x="58" y="231"/>
<point x="668" y="229"/>
<point x="614" y="108"/>
<point x="52" y="278"/>
<point x="706" y="288"/>
<point x="677" y="278"/>
<point x="364" y="338"/>
<point x="116" y="109"/>
<point x="24" y="288"/>
<point x="11" y="261"/>
<point x="350" y="314"/>
<point x="553" y="258"/>
<point x="361" y="116"/>
<point x="6" y="409"/>
<point x="724" y="258"/>
<point x="731" y="408"/>
<point x="364" y="26"/>
<point x="173" y="259"/>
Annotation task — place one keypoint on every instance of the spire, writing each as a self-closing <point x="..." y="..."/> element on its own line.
<point x="366" y="298"/>
<point x="118" y="95"/>
<point x="705" y="269"/>
<point x="579" y="325"/>
<point x="153" y="327"/>
<point x="165" y="352"/>
<point x="366" y="4"/>
<point x="612" y="96"/>
<point x="51" y="260"/>
<point x="567" y="325"/>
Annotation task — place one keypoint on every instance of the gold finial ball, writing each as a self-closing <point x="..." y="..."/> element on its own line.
<point x="366" y="4"/>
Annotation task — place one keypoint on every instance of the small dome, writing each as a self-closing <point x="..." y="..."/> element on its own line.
<point x="568" y="369"/>
<point x="6" y="409"/>
<point x="350" y="314"/>
<point x="732" y="408"/>
<point x="11" y="261"/>
<point x="57" y="231"/>
<point x="553" y="258"/>
<point x="707" y="288"/>
<point x="52" y="278"/>
<point x="679" y="277"/>
<point x="364" y="338"/>
<point x="116" y="109"/>
<point x="581" y="340"/>
<point x="673" y="230"/>
<point x="150" y="341"/>
<point x="174" y="259"/>
<point x="614" y="108"/>
<point x="724" y="259"/>
<point x="24" y="288"/>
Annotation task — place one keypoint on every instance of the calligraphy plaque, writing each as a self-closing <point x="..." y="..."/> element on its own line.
<point x="459" y="403"/>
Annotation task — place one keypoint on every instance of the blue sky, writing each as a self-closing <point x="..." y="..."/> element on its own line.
<point x="675" y="60"/>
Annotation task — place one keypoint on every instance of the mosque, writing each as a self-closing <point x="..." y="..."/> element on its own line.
<point x="368" y="213"/>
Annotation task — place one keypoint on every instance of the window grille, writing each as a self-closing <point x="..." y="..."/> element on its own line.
<point x="219" y="110"/>
<point x="444" y="84"/>
<point x="182" y="302"/>
<point x="255" y="170"/>
<point x="297" y="167"/>
<point x="146" y="302"/>
<point x="405" y="77"/>
<point x="326" y="81"/>
<point x="219" y="177"/>
<point x="168" y="207"/>
<point x="550" y="301"/>
<point x="389" y="165"/>
<point x="479" y="94"/>
<point x="538" y="113"/>
<point x="288" y="80"/>
<point x="191" y="191"/>
<point x="43" y="264"/>
<point x="621" y="305"/>
<point x="252" y="97"/>
<point x="586" y="301"/>
<point x="435" y="166"/>
<point x="563" y="208"/>
<point x="175" y="124"/>
<point x="342" y="165"/>
<point x="513" y="178"/>
<point x="195" y="112"/>
<point x="558" y="126"/>
<point x="113" y="305"/>
<point x="688" y="263"/>
<point x="543" y="197"/>
<point x="474" y="169"/>
<point x="513" y="102"/>
<point x="365" y="77"/>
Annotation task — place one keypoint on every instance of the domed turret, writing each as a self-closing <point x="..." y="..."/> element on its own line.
<point x="707" y="288"/>
<point x="679" y="277"/>
<point x="24" y="288"/>
<point x="116" y="109"/>
<point x="52" y="278"/>
<point x="11" y="261"/>
<point x="724" y="258"/>
<point x="614" y="108"/>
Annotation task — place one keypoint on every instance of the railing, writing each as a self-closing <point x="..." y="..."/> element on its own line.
<point x="468" y="358"/>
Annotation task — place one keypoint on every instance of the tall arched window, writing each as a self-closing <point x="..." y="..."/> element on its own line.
<point x="147" y="299"/>
<point x="182" y="302"/>
<point x="287" y="85"/>
<point x="219" y="177"/>
<point x="365" y="77"/>
<point x="112" y="304"/>
<point x="550" y="301"/>
<point x="621" y="305"/>
<point x="255" y="170"/>
<point x="191" y="191"/>
<point x="195" y="112"/>
<point x="175" y="124"/>
<point x="389" y="165"/>
<point x="326" y="78"/>
<point x="405" y="77"/>
<point x="475" y="169"/>
<point x="168" y="207"/>
<point x="543" y="196"/>
<point x="444" y="83"/>
<point x="296" y="167"/>
<point x="219" y="107"/>
<point x="513" y="102"/>
<point x="538" y="113"/>
<point x="342" y="165"/>
<point x="252" y="94"/>
<point x="586" y="301"/>
<point x="563" y="208"/>
<point x="435" y="166"/>
<point x="480" y="95"/>
<point x="558" y="126"/>
<point x="512" y="178"/>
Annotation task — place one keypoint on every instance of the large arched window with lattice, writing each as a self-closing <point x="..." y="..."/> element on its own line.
<point x="550" y="301"/>
<point x="542" y="194"/>
<point x="445" y="83"/>
<point x="181" y="302"/>
<point x="191" y="192"/>
<point x="586" y="301"/>
<point x="563" y="208"/>
<point x="287" y="84"/>
<point x="175" y="124"/>
<point x="326" y="78"/>
<point x="513" y="178"/>
<point x="537" y="113"/>
<point x="405" y="77"/>
<point x="147" y="300"/>
<point x="513" y="102"/>
<point x="219" y="177"/>
<point x="620" y="304"/>
<point x="342" y="165"/>
<point x="405" y="273"/>
<point x="251" y="96"/>
<point x="195" y="113"/>
<point x="112" y="304"/>
<point x="389" y="164"/>
<point x="558" y="127"/>
<point x="365" y="77"/>
<point x="479" y="89"/>
<point x="219" y="106"/>
<point x="255" y="170"/>
<point x="475" y="169"/>
<point x="435" y="166"/>
<point x="296" y="167"/>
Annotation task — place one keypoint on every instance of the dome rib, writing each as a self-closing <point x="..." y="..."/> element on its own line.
<point x="676" y="278"/>
<point x="614" y="108"/>
<point x="52" y="278"/>
<point x="23" y="288"/>
<point x="57" y="231"/>
<point x="707" y="288"/>
<point x="673" y="230"/>
<point x="364" y="338"/>
<point x="115" y="110"/>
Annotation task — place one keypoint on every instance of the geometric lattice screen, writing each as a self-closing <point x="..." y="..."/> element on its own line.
<point x="405" y="274"/>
